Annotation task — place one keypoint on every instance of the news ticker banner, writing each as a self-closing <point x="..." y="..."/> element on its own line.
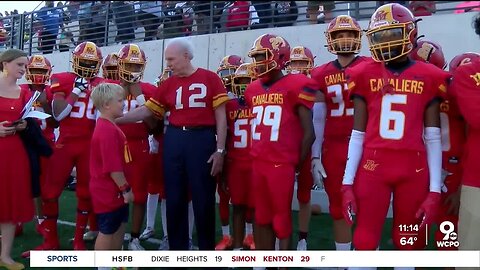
<point x="255" y="259"/>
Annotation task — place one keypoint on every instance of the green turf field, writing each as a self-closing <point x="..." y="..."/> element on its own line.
<point x="320" y="236"/>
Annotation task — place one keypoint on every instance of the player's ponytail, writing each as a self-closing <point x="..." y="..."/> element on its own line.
<point x="476" y="24"/>
<point x="10" y="55"/>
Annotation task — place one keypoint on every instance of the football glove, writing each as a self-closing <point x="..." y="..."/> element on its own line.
<point x="153" y="145"/>
<point x="429" y="209"/>
<point x="445" y="174"/>
<point x="318" y="172"/>
<point x="81" y="84"/>
<point x="348" y="203"/>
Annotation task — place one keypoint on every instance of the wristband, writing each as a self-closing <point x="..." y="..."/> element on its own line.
<point x="140" y="99"/>
<point x="70" y="100"/>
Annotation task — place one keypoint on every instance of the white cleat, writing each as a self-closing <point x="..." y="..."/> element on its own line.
<point x="147" y="233"/>
<point x="90" y="236"/>
<point x="134" y="244"/>
<point x="277" y="244"/>
<point x="164" y="243"/>
<point x="191" y="246"/>
<point x="302" y="245"/>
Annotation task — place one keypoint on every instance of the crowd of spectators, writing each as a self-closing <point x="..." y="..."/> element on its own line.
<point x="119" y="22"/>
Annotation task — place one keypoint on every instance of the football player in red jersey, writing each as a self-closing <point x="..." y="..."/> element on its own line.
<point x="37" y="76"/>
<point x="302" y="62"/>
<point x="110" y="67"/>
<point x="453" y="130"/>
<point x="238" y="163"/>
<point x="226" y="71"/>
<point x="131" y="66"/>
<point x="392" y="149"/>
<point x="76" y="114"/>
<point x="282" y="134"/>
<point x="343" y="37"/>
<point x="465" y="90"/>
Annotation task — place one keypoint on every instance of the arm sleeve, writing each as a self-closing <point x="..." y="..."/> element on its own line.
<point x="433" y="144"/>
<point x="465" y="88"/>
<point x="306" y="95"/>
<point x="319" y="115"/>
<point x="355" y="151"/>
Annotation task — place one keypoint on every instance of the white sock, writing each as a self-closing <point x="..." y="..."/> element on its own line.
<point x="152" y="204"/>
<point x="237" y="249"/>
<point x="191" y="220"/>
<point x="343" y="246"/>
<point x="40" y="220"/>
<point x="362" y="268"/>
<point x="248" y="228"/>
<point x="163" y="213"/>
<point x="104" y="268"/>
<point x="404" y="268"/>
<point x="226" y="230"/>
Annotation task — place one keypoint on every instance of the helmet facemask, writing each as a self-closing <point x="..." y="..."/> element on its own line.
<point x="240" y="83"/>
<point x="390" y="42"/>
<point x="37" y="76"/>
<point x="263" y="61"/>
<point x="130" y="72"/>
<point x="344" y="41"/>
<point x="85" y="68"/>
<point x="303" y="66"/>
<point x="111" y="72"/>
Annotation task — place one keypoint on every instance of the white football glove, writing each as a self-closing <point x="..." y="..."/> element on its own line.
<point x="81" y="84"/>
<point x="318" y="172"/>
<point x="153" y="145"/>
<point x="445" y="174"/>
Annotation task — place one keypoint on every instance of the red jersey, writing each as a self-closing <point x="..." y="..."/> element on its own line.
<point x="191" y="100"/>
<point x="47" y="129"/>
<point x="276" y="130"/>
<point x="139" y="130"/>
<point x="395" y="120"/>
<point x="81" y="120"/>
<point x="453" y="129"/>
<point x="239" y="136"/>
<point x="465" y="89"/>
<point x="331" y="80"/>
<point x="108" y="153"/>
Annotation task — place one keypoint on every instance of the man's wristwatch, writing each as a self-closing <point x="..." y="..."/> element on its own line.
<point x="221" y="151"/>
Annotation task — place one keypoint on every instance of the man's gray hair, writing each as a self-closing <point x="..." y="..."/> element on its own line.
<point x="184" y="44"/>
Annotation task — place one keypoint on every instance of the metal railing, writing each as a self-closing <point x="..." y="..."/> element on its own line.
<point x="121" y="22"/>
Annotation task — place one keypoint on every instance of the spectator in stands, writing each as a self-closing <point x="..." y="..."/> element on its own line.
<point x="238" y="16"/>
<point x="84" y="19"/>
<point x="422" y="8"/>
<point x="124" y="14"/>
<point x="186" y="9"/>
<point x="254" y="19"/>
<point x="150" y="15"/>
<point x="202" y="10"/>
<point x="173" y="20"/>
<point x="265" y="14"/>
<point x="285" y="13"/>
<point x="467" y="6"/>
<point x="96" y="29"/>
<point x="52" y="20"/>
<point x="313" y="11"/>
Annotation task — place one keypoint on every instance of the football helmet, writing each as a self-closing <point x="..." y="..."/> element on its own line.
<point x="391" y="33"/>
<point x="276" y="52"/>
<point x="167" y="73"/>
<point x="462" y="59"/>
<point x="87" y="59"/>
<point x="302" y="59"/>
<point x="343" y="45"/>
<point x="110" y="67"/>
<point x="430" y="52"/>
<point x="244" y="75"/>
<point x="39" y="70"/>
<point x="227" y="68"/>
<point x="131" y="63"/>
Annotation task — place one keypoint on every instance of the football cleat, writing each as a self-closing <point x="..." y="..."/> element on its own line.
<point x="225" y="243"/>
<point x="147" y="233"/>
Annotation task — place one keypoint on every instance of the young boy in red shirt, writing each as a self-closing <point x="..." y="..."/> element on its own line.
<point x="108" y="157"/>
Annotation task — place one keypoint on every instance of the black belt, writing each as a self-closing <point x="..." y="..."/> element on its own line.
<point x="193" y="127"/>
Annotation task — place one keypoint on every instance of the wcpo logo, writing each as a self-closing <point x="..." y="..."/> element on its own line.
<point x="450" y="237"/>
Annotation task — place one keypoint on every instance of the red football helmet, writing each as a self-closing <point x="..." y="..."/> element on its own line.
<point x="167" y="73"/>
<point x="275" y="51"/>
<point x="110" y="67"/>
<point x="39" y="70"/>
<point x="131" y="63"/>
<point x="392" y="32"/>
<point x="430" y="52"/>
<point x="462" y="59"/>
<point x="243" y="76"/>
<point x="227" y="68"/>
<point x="343" y="45"/>
<point x="301" y="60"/>
<point x="87" y="59"/>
